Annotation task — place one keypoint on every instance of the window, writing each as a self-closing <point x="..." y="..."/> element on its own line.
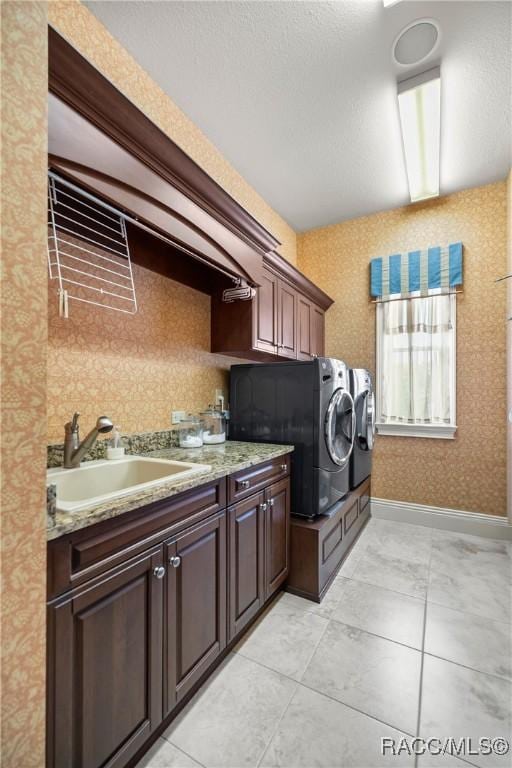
<point x="416" y="366"/>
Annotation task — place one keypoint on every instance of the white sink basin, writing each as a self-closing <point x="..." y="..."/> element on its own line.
<point x="97" y="481"/>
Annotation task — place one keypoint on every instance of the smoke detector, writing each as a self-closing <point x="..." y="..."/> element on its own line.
<point x="416" y="42"/>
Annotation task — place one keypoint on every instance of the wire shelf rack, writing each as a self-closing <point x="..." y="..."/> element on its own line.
<point x="88" y="251"/>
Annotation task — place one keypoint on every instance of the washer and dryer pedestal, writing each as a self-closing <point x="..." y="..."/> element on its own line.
<point x="318" y="547"/>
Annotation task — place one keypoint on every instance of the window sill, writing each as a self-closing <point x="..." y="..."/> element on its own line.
<point x="442" y="431"/>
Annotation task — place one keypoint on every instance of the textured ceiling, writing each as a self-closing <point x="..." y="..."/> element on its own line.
<point x="301" y="96"/>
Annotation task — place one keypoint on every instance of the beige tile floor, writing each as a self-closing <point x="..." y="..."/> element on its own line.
<point x="412" y="639"/>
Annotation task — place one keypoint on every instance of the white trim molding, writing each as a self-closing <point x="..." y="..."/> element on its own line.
<point x="474" y="523"/>
<point x="444" y="431"/>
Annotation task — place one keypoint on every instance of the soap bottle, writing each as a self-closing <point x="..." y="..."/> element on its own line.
<point x="115" y="447"/>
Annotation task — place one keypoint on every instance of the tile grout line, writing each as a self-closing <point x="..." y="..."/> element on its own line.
<point x="469" y="613"/>
<point x="354" y="626"/>
<point x="331" y="698"/>
<point x="181" y="750"/>
<point x="422" y="664"/>
<point x="422" y="650"/>
<point x="355" y="709"/>
<point x="316" y="645"/>
<point x="377" y="586"/>
<point x="406" y="594"/>
<point x="297" y="683"/>
<point x="470" y="669"/>
<point x="300" y="683"/>
<point x="381" y="637"/>
<point x="395" y="591"/>
<point x="274" y="731"/>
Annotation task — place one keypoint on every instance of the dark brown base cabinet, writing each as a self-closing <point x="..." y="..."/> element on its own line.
<point x="196" y="605"/>
<point x="105" y="666"/>
<point x="277" y="536"/>
<point x="246" y="521"/>
<point x="127" y="645"/>
<point x="259" y="544"/>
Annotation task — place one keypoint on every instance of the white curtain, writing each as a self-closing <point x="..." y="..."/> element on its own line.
<point x="417" y="348"/>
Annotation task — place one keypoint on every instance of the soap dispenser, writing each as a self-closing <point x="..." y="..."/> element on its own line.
<point x="115" y="447"/>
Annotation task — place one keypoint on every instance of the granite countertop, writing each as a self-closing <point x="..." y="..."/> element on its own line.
<point x="224" y="459"/>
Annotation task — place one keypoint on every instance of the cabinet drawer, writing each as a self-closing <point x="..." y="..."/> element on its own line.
<point x="253" y="479"/>
<point x="79" y="556"/>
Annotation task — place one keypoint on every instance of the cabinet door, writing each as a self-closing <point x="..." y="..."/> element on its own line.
<point x="265" y="313"/>
<point x="286" y="320"/>
<point x="305" y="328"/>
<point x="196" y="605"/>
<point x="317" y="332"/>
<point x="246" y="525"/>
<point x="277" y="535"/>
<point x="105" y="666"/>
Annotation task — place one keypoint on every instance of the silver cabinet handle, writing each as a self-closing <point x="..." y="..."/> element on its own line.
<point x="245" y="484"/>
<point x="175" y="561"/>
<point x="284" y="467"/>
<point x="271" y="502"/>
<point x="263" y="507"/>
<point x="159" y="572"/>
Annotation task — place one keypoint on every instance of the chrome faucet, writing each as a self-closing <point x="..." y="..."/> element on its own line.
<point x="74" y="450"/>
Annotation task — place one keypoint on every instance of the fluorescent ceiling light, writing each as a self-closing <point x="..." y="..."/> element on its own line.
<point x="387" y="3"/>
<point x="419" y="103"/>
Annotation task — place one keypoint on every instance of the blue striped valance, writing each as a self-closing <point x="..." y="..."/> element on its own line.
<point x="423" y="271"/>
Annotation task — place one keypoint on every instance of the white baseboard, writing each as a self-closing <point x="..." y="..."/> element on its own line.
<point x="474" y="523"/>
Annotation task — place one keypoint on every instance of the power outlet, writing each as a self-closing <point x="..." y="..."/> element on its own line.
<point x="218" y="394"/>
<point x="177" y="416"/>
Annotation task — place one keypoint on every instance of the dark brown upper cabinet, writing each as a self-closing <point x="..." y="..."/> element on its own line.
<point x="317" y="331"/>
<point x="285" y="320"/>
<point x="310" y="323"/>
<point x="265" y="313"/>
<point x="304" y="315"/>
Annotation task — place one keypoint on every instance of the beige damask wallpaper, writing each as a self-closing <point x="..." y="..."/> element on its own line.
<point x="23" y="397"/>
<point x="81" y="28"/>
<point x="135" y="368"/>
<point x="468" y="473"/>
